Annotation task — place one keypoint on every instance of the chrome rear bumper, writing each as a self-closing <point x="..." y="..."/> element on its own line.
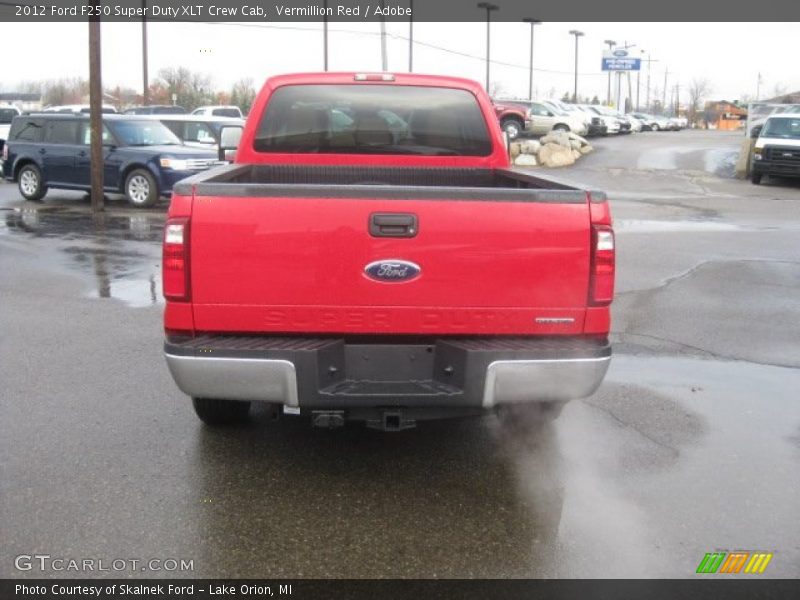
<point x="329" y="373"/>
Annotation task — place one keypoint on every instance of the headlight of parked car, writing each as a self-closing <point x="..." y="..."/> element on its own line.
<point x="175" y="163"/>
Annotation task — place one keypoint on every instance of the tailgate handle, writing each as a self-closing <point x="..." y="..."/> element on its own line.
<point x="393" y="225"/>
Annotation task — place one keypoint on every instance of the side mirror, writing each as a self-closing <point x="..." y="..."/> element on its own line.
<point x="229" y="137"/>
<point x="756" y="131"/>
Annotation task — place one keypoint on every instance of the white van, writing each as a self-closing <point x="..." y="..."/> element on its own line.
<point x="777" y="147"/>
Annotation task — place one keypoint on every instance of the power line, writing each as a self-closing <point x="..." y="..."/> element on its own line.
<point x="401" y="38"/>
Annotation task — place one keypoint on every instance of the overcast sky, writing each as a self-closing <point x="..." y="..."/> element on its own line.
<point x="729" y="55"/>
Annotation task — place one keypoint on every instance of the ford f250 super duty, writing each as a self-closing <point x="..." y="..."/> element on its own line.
<point x="370" y="256"/>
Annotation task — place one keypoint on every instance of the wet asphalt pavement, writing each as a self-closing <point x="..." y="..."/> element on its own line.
<point x="692" y="444"/>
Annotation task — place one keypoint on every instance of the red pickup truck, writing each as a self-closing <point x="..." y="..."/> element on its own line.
<point x="370" y="256"/>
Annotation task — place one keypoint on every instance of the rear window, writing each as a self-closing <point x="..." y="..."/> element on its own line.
<point x="226" y="112"/>
<point x="7" y="114"/>
<point x="26" y="130"/>
<point x="86" y="134"/>
<point x="62" y="132"/>
<point x="373" y="119"/>
<point x="143" y="133"/>
<point x="168" y="110"/>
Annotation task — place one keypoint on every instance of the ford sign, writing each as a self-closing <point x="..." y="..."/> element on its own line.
<point x="392" y="270"/>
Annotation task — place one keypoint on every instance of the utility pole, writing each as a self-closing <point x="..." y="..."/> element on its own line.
<point x="664" y="102"/>
<point x="533" y="24"/>
<point x="325" y="35"/>
<point x="488" y="7"/>
<point x="758" y="86"/>
<point x="611" y="44"/>
<point x="145" y="80"/>
<point x="649" y="60"/>
<point x="384" y="58"/>
<point x="96" y="114"/>
<point x="577" y="34"/>
<point x="629" y="100"/>
<point x="638" y="80"/>
<point x="410" y="36"/>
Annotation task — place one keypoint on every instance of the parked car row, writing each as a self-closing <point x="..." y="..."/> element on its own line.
<point x="518" y="117"/>
<point x="151" y="109"/>
<point x="144" y="155"/>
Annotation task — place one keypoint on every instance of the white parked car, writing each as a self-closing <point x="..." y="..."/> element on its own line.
<point x="613" y="123"/>
<point x="79" y="108"/>
<point x="653" y="122"/>
<point x="218" y="111"/>
<point x="543" y="118"/>
<point x="7" y="114"/>
<point x="678" y="123"/>
<point x="574" y="110"/>
<point x="636" y="124"/>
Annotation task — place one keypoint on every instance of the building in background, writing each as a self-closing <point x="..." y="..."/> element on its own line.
<point x="24" y="102"/>
<point x="721" y="114"/>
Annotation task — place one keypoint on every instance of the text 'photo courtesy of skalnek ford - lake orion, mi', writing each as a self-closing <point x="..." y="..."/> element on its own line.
<point x="399" y="299"/>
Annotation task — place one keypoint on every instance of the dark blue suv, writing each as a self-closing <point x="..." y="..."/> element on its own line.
<point x="143" y="158"/>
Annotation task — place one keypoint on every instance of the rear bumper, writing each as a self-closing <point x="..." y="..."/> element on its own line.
<point x="334" y="373"/>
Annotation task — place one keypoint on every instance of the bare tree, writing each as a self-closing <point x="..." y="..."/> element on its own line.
<point x="778" y="91"/>
<point x="698" y="90"/>
<point x="64" y="91"/>
<point x="496" y="90"/>
<point x="243" y="93"/>
<point x="191" y="89"/>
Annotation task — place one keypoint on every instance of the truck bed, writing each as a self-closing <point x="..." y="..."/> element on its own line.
<point x="359" y="181"/>
<point x="283" y="248"/>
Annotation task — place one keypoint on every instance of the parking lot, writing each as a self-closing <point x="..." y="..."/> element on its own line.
<point x="691" y="445"/>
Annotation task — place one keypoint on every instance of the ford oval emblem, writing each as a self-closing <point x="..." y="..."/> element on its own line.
<point x="392" y="270"/>
<point x="620" y="53"/>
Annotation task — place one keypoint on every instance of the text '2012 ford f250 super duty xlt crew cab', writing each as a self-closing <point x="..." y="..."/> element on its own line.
<point x="371" y="256"/>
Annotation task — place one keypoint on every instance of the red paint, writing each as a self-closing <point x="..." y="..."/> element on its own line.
<point x="276" y="265"/>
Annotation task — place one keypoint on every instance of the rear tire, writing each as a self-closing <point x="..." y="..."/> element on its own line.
<point x="756" y="178"/>
<point x="216" y="412"/>
<point x="654" y="127"/>
<point x="561" y="127"/>
<point x="141" y="189"/>
<point x="29" y="181"/>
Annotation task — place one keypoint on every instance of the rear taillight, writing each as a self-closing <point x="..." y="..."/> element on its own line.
<point x="5" y="151"/>
<point x="175" y="264"/>
<point x="601" y="287"/>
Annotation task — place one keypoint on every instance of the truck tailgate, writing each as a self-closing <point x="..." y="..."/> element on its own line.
<point x="297" y="264"/>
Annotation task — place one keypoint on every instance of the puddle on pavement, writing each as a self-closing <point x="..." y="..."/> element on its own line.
<point x="667" y="226"/>
<point x="642" y="478"/>
<point x="120" y="254"/>
<point x="719" y="161"/>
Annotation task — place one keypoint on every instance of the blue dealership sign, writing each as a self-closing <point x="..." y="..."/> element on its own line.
<point x="622" y="64"/>
<point x="619" y="59"/>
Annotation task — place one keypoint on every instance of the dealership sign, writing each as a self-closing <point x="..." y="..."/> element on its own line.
<point x="619" y="59"/>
